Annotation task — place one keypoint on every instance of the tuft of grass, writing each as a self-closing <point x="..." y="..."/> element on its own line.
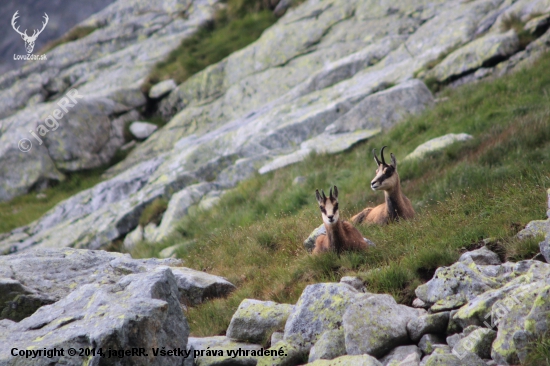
<point x="74" y="34"/>
<point x="153" y="213"/>
<point x="539" y="352"/>
<point x="513" y="21"/>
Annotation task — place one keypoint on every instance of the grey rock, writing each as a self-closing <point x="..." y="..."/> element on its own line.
<point x="288" y="354"/>
<point x="320" y="308"/>
<point x="309" y="243"/>
<point x="482" y="256"/>
<point x="18" y="301"/>
<point x="161" y="89"/>
<point x="436" y="144"/>
<point x="419" y="304"/>
<point x="545" y="249"/>
<point x="509" y="314"/>
<point x="451" y="287"/>
<point x="453" y="339"/>
<point x="223" y="345"/>
<point x="354" y="282"/>
<point x="411" y="360"/>
<point x="329" y="346"/>
<point x="382" y="319"/>
<point x="178" y="207"/>
<point x="255" y="320"/>
<point x="448" y="359"/>
<point x="479" y="342"/>
<point x="401" y="353"/>
<point x="63" y="270"/>
<point x="276" y="337"/>
<point x="142" y="130"/>
<point x="106" y="316"/>
<point x="428" y="341"/>
<point x="358" y="360"/>
<point x="198" y="286"/>
<point x="476" y="54"/>
<point x="133" y="237"/>
<point x="385" y="108"/>
<point x="432" y="323"/>
<point x="299" y="180"/>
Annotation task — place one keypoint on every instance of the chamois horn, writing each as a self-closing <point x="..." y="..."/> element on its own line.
<point x="375" y="157"/>
<point x="382" y="155"/>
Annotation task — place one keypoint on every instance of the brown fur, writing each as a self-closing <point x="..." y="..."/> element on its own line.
<point x="396" y="205"/>
<point x="341" y="235"/>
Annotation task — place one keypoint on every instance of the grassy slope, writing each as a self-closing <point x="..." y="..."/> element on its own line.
<point x="237" y="24"/>
<point x="488" y="187"/>
<point x="29" y="207"/>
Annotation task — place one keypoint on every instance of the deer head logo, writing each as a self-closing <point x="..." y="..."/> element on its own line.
<point x="29" y="40"/>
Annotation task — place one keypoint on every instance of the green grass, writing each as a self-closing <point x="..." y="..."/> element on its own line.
<point x="236" y="25"/>
<point x="24" y="209"/>
<point x="539" y="352"/>
<point x="490" y="186"/>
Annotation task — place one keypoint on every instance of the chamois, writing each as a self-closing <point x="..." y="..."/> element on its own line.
<point x="341" y="235"/>
<point x="396" y="206"/>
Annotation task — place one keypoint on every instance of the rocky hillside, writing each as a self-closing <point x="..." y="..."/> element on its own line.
<point x="476" y="312"/>
<point x="63" y="15"/>
<point x="327" y="75"/>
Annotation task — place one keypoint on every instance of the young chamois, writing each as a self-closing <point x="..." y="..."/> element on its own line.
<point x="341" y="235"/>
<point x="396" y="206"/>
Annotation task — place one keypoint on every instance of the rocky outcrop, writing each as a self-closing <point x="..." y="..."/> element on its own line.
<point x="31" y="279"/>
<point x="325" y="76"/>
<point x="95" y="307"/>
<point x="106" y="69"/>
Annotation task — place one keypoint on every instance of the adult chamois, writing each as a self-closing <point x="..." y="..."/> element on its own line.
<point x="396" y="206"/>
<point x="340" y="235"/>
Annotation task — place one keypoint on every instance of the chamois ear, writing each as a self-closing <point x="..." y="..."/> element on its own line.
<point x="393" y="161"/>
<point x="318" y="196"/>
<point x="335" y="192"/>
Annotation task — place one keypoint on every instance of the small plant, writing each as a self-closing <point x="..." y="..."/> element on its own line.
<point x="513" y="21"/>
<point x="539" y="352"/>
<point x="153" y="213"/>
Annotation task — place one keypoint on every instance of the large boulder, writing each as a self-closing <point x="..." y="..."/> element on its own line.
<point x="139" y="311"/>
<point x="49" y="275"/>
<point x="451" y="287"/>
<point x="320" y="308"/>
<point x="330" y="345"/>
<point x="488" y="49"/>
<point x="376" y="324"/>
<point x="255" y="320"/>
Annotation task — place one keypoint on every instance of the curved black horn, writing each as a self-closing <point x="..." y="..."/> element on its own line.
<point x="375" y="157"/>
<point x="382" y="155"/>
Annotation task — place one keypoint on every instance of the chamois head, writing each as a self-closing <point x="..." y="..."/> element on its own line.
<point x="328" y="206"/>
<point x="386" y="178"/>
